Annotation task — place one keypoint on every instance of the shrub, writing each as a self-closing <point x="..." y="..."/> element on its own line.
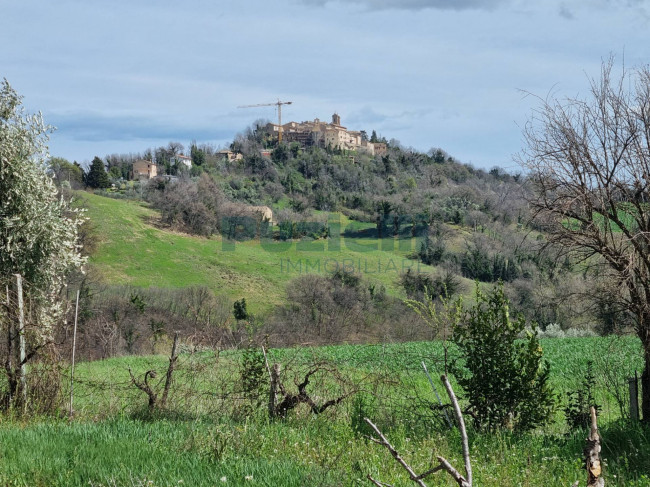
<point x="432" y="251"/>
<point x="504" y="378"/>
<point x="418" y="286"/>
<point x="239" y="310"/>
<point x="577" y="411"/>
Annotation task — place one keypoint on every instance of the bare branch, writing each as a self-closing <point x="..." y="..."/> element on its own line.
<point x="444" y="464"/>
<point x="377" y="482"/>
<point x="383" y="441"/>
<point x="463" y="431"/>
<point x="170" y="370"/>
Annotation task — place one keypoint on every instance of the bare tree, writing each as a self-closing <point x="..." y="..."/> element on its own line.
<point x="589" y="163"/>
<point x="150" y="389"/>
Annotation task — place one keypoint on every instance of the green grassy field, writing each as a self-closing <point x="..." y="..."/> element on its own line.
<point x="134" y="250"/>
<point x="210" y="435"/>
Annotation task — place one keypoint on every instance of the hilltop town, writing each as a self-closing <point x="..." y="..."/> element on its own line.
<point x="333" y="135"/>
<point x="307" y="134"/>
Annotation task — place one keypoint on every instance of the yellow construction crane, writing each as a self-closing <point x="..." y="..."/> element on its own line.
<point x="277" y="104"/>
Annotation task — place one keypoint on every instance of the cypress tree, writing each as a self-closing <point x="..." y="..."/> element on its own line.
<point x="97" y="177"/>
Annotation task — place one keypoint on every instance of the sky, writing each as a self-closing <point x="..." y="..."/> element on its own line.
<point x="122" y="76"/>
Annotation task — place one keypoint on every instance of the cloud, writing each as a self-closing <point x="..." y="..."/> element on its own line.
<point x="418" y="4"/>
<point x="365" y="115"/>
<point x="91" y="126"/>
<point x="569" y="12"/>
<point x="566" y="12"/>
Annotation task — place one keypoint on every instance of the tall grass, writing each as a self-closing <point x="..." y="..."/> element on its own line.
<point x="208" y="435"/>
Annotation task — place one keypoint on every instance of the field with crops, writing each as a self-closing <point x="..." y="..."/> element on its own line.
<point x="215" y="429"/>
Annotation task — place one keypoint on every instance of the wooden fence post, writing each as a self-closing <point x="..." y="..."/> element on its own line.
<point x="10" y="349"/>
<point x="21" y="341"/>
<point x="273" y="391"/>
<point x="74" y="348"/>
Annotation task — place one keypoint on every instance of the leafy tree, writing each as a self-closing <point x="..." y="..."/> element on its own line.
<point x="590" y="170"/>
<point x="239" y="310"/>
<point x="197" y="155"/>
<point x="505" y="379"/>
<point x="64" y="170"/>
<point x="280" y="154"/>
<point x="423" y="287"/>
<point x="432" y="250"/>
<point x="97" y="177"/>
<point x="115" y="172"/>
<point x="38" y="231"/>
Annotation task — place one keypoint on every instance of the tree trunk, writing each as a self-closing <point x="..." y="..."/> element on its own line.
<point x="645" y="385"/>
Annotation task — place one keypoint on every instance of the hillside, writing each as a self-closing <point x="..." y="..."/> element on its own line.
<point x="134" y="249"/>
<point x="448" y="222"/>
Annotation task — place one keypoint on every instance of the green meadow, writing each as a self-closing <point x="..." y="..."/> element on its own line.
<point x="212" y="435"/>
<point x="134" y="249"/>
<point x="215" y="431"/>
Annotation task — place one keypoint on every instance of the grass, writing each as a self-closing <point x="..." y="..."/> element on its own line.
<point x="212" y="434"/>
<point x="127" y="452"/>
<point x="134" y="250"/>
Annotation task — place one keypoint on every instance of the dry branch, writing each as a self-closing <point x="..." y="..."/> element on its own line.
<point x="291" y="400"/>
<point x="170" y="370"/>
<point x="145" y="387"/>
<point x="444" y="464"/>
<point x="463" y="435"/>
<point x="383" y="441"/>
<point x="150" y="390"/>
<point x="592" y="456"/>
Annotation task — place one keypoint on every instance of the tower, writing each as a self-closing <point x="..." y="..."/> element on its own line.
<point x="336" y="119"/>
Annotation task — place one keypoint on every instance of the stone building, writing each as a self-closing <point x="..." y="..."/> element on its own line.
<point x="324" y="134"/>
<point x="143" y="169"/>
<point x="229" y="155"/>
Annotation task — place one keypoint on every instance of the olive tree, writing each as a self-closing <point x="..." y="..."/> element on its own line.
<point x="589" y="163"/>
<point x="38" y="231"/>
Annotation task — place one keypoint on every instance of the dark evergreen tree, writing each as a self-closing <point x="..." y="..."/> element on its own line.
<point x="239" y="310"/>
<point x="97" y="177"/>
<point x="197" y="155"/>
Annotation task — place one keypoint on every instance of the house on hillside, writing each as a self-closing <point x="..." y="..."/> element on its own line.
<point x="380" y="148"/>
<point x="230" y="156"/>
<point x="143" y="169"/>
<point x="263" y="212"/>
<point x="179" y="159"/>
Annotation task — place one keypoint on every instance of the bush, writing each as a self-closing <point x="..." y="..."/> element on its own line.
<point x="504" y="378"/>
<point x="554" y="330"/>
<point x="577" y="411"/>
<point x="432" y="251"/>
<point x="419" y="286"/>
<point x="239" y="310"/>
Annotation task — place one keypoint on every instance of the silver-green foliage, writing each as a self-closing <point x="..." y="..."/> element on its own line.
<point x="38" y="230"/>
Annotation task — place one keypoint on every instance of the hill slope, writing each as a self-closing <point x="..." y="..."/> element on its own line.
<point x="134" y="250"/>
